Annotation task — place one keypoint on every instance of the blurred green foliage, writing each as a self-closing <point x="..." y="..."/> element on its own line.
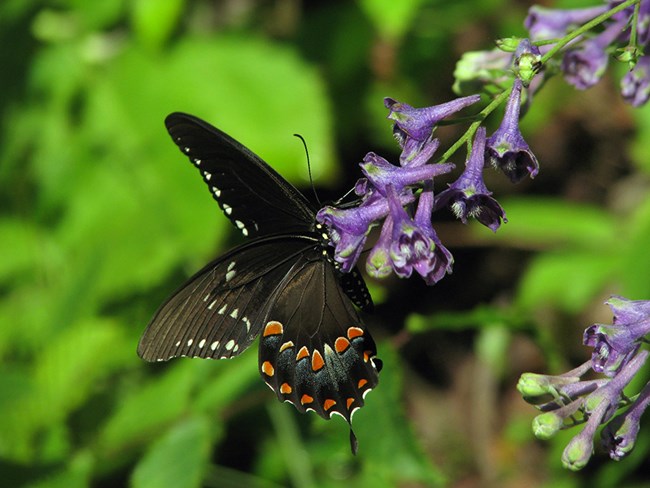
<point x="101" y="219"/>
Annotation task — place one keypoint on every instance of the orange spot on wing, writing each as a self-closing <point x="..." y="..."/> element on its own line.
<point x="362" y="383"/>
<point x="286" y="388"/>
<point x="354" y="332"/>
<point x="286" y="345"/>
<point x="272" y="328"/>
<point x="306" y="399"/>
<point x="302" y="353"/>
<point x="329" y="403"/>
<point x="267" y="368"/>
<point x="317" y="361"/>
<point x="341" y="344"/>
<point x="349" y="403"/>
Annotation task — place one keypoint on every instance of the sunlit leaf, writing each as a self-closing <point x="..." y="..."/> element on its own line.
<point x="142" y="413"/>
<point x="179" y="459"/>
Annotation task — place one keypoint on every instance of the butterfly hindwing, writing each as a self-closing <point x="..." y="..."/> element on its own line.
<point x="315" y="351"/>
<point x="255" y="198"/>
<point x="219" y="312"/>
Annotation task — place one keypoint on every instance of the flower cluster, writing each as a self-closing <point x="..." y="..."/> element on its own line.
<point x="408" y="241"/>
<point x="583" y="58"/>
<point x="567" y="399"/>
<point x="586" y="58"/>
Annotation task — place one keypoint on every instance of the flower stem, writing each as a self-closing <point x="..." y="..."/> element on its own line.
<point x="469" y="133"/>
<point x="586" y="27"/>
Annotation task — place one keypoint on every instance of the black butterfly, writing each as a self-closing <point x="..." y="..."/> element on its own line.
<point x="282" y="284"/>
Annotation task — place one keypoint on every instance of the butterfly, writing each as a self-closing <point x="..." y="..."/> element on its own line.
<point x="282" y="285"/>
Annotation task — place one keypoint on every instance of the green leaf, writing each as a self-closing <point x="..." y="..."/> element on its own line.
<point x="633" y="249"/>
<point x="77" y="474"/>
<point x="63" y="376"/>
<point x="149" y="407"/>
<point x="218" y="79"/>
<point x="179" y="459"/>
<point x="479" y="317"/>
<point x="20" y="243"/>
<point x="386" y="440"/>
<point x="567" y="280"/>
<point x="154" y="20"/>
<point x="231" y="379"/>
<point x="391" y="19"/>
<point x="540" y="223"/>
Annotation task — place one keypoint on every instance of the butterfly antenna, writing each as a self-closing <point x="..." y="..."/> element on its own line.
<point x="311" y="180"/>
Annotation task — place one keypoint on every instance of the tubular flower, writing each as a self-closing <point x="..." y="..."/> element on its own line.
<point x="413" y="246"/>
<point x="566" y="400"/>
<point x="506" y="148"/>
<point x="380" y="173"/>
<point x="614" y="345"/>
<point x="468" y="196"/>
<point x="418" y="123"/>
<point x="584" y="66"/>
<point x="544" y="23"/>
<point x="635" y="85"/>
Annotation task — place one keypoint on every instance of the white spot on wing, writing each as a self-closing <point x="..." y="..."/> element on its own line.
<point x="214" y="345"/>
<point x="231" y="265"/>
<point x="178" y="343"/>
<point x="222" y="310"/>
<point x="216" y="191"/>
<point x="227" y="208"/>
<point x="234" y="313"/>
<point x="248" y="323"/>
<point x="230" y="275"/>
<point x="212" y="304"/>
<point x="202" y="343"/>
<point x="230" y="344"/>
<point x="189" y="343"/>
<point x="207" y="175"/>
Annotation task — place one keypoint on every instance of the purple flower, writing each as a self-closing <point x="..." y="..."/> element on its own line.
<point x="596" y="402"/>
<point x="584" y="66"/>
<point x="417" y="153"/>
<point x="415" y="245"/>
<point x="628" y="311"/>
<point x="506" y="148"/>
<point x="379" y="263"/>
<point x="544" y="23"/>
<point x="614" y="345"/>
<point x="418" y="123"/>
<point x="468" y="196"/>
<point x="635" y="85"/>
<point x="619" y="436"/>
<point x="381" y="173"/>
<point x="349" y="228"/>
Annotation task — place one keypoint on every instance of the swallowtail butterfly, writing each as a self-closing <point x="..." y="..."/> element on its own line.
<point x="282" y="285"/>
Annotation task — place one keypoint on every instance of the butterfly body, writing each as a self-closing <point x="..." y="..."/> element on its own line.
<point x="282" y="285"/>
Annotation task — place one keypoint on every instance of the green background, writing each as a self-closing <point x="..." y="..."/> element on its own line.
<point x="101" y="218"/>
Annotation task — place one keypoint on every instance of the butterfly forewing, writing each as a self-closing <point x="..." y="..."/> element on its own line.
<point x="255" y="198"/>
<point x="219" y="312"/>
